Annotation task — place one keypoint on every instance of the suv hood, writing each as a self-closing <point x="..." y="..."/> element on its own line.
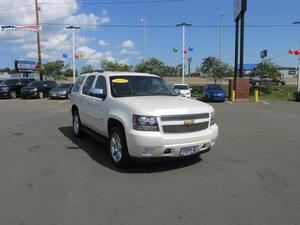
<point x="164" y="105"/>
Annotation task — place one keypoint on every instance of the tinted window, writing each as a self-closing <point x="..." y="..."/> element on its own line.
<point x="88" y="84"/>
<point x="35" y="84"/>
<point x="181" y="87"/>
<point x="101" y="84"/>
<point x="214" y="87"/>
<point x="64" y="85"/>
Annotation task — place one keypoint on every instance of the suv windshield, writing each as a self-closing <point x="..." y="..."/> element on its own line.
<point x="181" y="87"/>
<point x="10" y="82"/>
<point x="35" y="84"/>
<point x="64" y="86"/>
<point x="124" y="86"/>
<point x="214" y="87"/>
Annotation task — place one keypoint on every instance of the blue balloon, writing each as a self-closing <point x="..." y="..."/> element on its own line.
<point x="65" y="55"/>
<point x="191" y="48"/>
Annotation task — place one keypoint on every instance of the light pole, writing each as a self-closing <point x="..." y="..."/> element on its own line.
<point x="183" y="25"/>
<point x="298" y="80"/>
<point x="38" y="40"/>
<point x="143" y="20"/>
<point x="73" y="28"/>
<point x="221" y="36"/>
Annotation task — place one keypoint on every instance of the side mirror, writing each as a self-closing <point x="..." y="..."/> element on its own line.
<point x="97" y="92"/>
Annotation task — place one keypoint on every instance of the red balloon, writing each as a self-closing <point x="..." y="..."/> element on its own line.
<point x="77" y="56"/>
<point x="291" y="51"/>
<point x="185" y="51"/>
<point x="297" y="52"/>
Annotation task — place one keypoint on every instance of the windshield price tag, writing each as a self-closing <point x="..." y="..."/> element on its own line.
<point x="120" y="81"/>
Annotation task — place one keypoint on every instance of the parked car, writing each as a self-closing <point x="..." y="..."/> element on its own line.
<point x="61" y="91"/>
<point x="11" y="88"/>
<point x="256" y="81"/>
<point x="297" y="96"/>
<point x="37" y="89"/>
<point x="214" y="92"/>
<point x="141" y="117"/>
<point x="183" y="90"/>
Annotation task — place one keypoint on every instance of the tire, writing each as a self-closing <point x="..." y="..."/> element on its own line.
<point x="40" y="95"/>
<point x="12" y="94"/>
<point x="118" y="147"/>
<point x="69" y="96"/>
<point x="77" y="126"/>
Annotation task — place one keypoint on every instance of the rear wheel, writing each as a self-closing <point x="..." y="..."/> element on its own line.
<point x="12" y="94"/>
<point x="118" y="147"/>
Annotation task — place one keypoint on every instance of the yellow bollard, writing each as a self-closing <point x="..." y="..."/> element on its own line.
<point x="233" y="95"/>
<point x="256" y="95"/>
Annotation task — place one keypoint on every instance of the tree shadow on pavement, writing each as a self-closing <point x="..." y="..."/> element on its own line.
<point x="99" y="152"/>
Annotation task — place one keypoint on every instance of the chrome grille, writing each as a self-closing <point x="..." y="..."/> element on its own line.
<point x="185" y="117"/>
<point x="175" y="129"/>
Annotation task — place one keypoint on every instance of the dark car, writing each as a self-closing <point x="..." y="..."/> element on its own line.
<point x="214" y="92"/>
<point x="61" y="91"/>
<point x="297" y="96"/>
<point x="256" y="81"/>
<point x="38" y="89"/>
<point x="11" y="88"/>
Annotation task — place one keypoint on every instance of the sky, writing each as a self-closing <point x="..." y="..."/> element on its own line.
<point x="100" y="37"/>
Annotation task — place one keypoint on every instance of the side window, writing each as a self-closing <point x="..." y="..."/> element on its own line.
<point x="78" y="84"/>
<point x="101" y="84"/>
<point x="88" y="84"/>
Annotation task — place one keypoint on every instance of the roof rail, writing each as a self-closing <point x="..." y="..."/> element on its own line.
<point x="98" y="71"/>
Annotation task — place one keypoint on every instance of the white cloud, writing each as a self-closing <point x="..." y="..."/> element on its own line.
<point x="104" y="19"/>
<point x="127" y="44"/>
<point x="128" y="52"/>
<point x="124" y="61"/>
<point x="103" y="43"/>
<point x="83" y="19"/>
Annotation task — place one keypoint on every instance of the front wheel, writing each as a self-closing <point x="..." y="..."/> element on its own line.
<point x="12" y="94"/>
<point x="77" y="127"/>
<point x="40" y="95"/>
<point x="118" y="147"/>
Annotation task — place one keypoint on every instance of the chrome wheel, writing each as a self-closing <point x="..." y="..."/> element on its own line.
<point x="76" y="124"/>
<point x="41" y="95"/>
<point x="116" y="147"/>
<point x="13" y="94"/>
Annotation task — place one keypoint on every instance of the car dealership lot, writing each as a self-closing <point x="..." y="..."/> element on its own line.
<point x="251" y="176"/>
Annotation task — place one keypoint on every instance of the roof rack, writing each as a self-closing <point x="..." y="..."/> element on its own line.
<point x="98" y="71"/>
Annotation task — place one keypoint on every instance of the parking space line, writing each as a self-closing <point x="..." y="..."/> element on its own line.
<point x="264" y="102"/>
<point x="229" y="102"/>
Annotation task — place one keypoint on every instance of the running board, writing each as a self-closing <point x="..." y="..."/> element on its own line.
<point x="95" y="135"/>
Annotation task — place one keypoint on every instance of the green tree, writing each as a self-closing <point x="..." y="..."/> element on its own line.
<point x="215" y="68"/>
<point x="87" y="69"/>
<point x="68" y="72"/>
<point x="112" y="66"/>
<point x="267" y="69"/>
<point x="54" y="69"/>
<point x="154" y="66"/>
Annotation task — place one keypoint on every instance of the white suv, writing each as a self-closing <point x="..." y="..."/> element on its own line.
<point x="141" y="116"/>
<point x="183" y="90"/>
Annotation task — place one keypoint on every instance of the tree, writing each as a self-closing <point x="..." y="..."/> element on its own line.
<point x="154" y="66"/>
<point x="68" y="72"/>
<point x="87" y="69"/>
<point x="267" y="69"/>
<point x="215" y="68"/>
<point x="112" y="66"/>
<point x="54" y="69"/>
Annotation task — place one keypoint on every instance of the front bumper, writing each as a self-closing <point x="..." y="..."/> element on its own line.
<point x="155" y="144"/>
<point x="29" y="94"/>
<point x="58" y="95"/>
<point x="214" y="98"/>
<point x="4" y="94"/>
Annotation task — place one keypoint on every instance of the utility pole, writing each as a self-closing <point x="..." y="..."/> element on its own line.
<point x="73" y="28"/>
<point x="144" y="41"/>
<point x="38" y="40"/>
<point x="189" y="65"/>
<point x="183" y="25"/>
<point x="221" y="36"/>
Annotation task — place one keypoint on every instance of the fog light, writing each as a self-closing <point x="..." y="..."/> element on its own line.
<point x="147" y="151"/>
<point x="167" y="151"/>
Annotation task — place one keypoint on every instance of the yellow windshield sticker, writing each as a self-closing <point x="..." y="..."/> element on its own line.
<point x="120" y="81"/>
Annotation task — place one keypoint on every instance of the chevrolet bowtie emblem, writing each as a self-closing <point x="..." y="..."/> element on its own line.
<point x="189" y="122"/>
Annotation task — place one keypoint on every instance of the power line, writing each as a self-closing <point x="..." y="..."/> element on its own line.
<point x="17" y="7"/>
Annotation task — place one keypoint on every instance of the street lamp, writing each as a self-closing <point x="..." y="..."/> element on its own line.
<point x="298" y="80"/>
<point x="221" y="36"/>
<point x="183" y="25"/>
<point x="143" y="20"/>
<point x="73" y="28"/>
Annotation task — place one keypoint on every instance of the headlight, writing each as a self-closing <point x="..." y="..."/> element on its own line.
<point x="212" y="118"/>
<point x="34" y="89"/>
<point x="145" y="123"/>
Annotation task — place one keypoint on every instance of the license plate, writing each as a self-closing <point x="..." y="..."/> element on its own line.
<point x="187" y="150"/>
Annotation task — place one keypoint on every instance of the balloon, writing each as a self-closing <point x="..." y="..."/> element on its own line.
<point x="191" y="48"/>
<point x="65" y="55"/>
<point x="175" y="50"/>
<point x="185" y="51"/>
<point x="297" y="52"/>
<point x="77" y="56"/>
<point x="81" y="55"/>
<point x="291" y="51"/>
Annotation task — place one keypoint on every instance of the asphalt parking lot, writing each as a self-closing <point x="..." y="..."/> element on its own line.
<point x="252" y="175"/>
